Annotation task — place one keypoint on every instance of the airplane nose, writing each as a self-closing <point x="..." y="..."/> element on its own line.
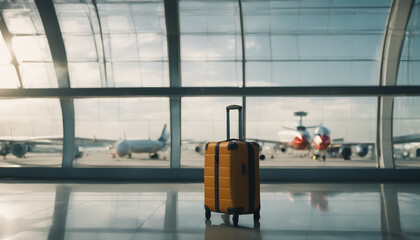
<point x="322" y="142"/>
<point x="300" y="141"/>
<point x="123" y="148"/>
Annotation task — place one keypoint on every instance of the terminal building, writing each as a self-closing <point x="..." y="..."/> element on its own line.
<point x="106" y="107"/>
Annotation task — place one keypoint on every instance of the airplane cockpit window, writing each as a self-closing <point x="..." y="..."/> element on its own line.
<point x="301" y="128"/>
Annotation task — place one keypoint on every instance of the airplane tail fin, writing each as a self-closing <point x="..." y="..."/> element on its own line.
<point x="164" y="136"/>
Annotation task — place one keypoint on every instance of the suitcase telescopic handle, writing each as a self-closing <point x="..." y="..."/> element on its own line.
<point x="234" y="107"/>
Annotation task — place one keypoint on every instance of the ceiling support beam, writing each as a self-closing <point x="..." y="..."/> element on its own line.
<point x="58" y="52"/>
<point x="7" y="36"/>
<point x="174" y="57"/>
<point x="350" y="91"/>
<point x="241" y="20"/>
<point x="392" y="47"/>
<point x="100" y="46"/>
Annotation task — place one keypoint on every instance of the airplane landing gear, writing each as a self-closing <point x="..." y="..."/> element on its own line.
<point x="154" y="156"/>
<point x="319" y="157"/>
<point x="262" y="157"/>
<point x="129" y="155"/>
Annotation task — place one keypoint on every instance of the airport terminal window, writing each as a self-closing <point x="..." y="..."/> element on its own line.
<point x="29" y="45"/>
<point x="31" y="133"/>
<point x="409" y="68"/>
<point x="406" y="132"/>
<point x="7" y="70"/>
<point x="305" y="43"/>
<point x="133" y="40"/>
<point x="122" y="132"/>
<point x="346" y="129"/>
<point x="211" y="49"/>
<point x="203" y="119"/>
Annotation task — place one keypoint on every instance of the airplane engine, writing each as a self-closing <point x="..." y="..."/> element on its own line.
<point x="199" y="149"/>
<point x="283" y="149"/>
<point x="123" y="148"/>
<point x="345" y="152"/>
<point x="362" y="150"/>
<point x="4" y="149"/>
<point x="18" y="149"/>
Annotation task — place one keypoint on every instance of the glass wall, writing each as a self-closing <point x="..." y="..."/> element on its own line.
<point x="120" y="44"/>
<point x="31" y="133"/>
<point x="406" y="132"/>
<point x="341" y="129"/>
<point x="313" y="43"/>
<point x="203" y="119"/>
<point x="211" y="49"/>
<point x="409" y="68"/>
<point x="25" y="60"/>
<point x="406" y="117"/>
<point x="125" y="47"/>
<point x="122" y="132"/>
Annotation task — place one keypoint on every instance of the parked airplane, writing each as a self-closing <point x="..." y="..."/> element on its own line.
<point x="20" y="146"/>
<point x="300" y="139"/>
<point x="125" y="147"/>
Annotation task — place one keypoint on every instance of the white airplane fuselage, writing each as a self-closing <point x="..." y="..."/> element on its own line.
<point x="126" y="147"/>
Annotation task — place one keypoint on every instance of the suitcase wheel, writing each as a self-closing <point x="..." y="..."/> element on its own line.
<point x="208" y="213"/>
<point x="257" y="216"/>
<point x="235" y="219"/>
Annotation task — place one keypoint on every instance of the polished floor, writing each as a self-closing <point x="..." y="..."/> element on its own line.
<point x="175" y="211"/>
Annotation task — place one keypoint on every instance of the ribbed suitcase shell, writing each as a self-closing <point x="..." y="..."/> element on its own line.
<point x="234" y="177"/>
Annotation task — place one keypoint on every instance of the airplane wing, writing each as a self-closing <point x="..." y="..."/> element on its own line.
<point x="44" y="140"/>
<point x="406" y="139"/>
<point x="267" y="141"/>
<point x="58" y="140"/>
<point x="340" y="144"/>
<point x="94" y="142"/>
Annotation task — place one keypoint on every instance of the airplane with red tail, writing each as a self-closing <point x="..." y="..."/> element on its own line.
<point x="321" y="143"/>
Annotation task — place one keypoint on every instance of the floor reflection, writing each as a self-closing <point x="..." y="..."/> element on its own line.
<point x="226" y="230"/>
<point x="58" y="227"/>
<point x="175" y="211"/>
<point x="318" y="200"/>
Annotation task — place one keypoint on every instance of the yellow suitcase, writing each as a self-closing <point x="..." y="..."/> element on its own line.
<point x="231" y="175"/>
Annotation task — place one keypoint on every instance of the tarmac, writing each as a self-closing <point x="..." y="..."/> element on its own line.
<point x="189" y="159"/>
